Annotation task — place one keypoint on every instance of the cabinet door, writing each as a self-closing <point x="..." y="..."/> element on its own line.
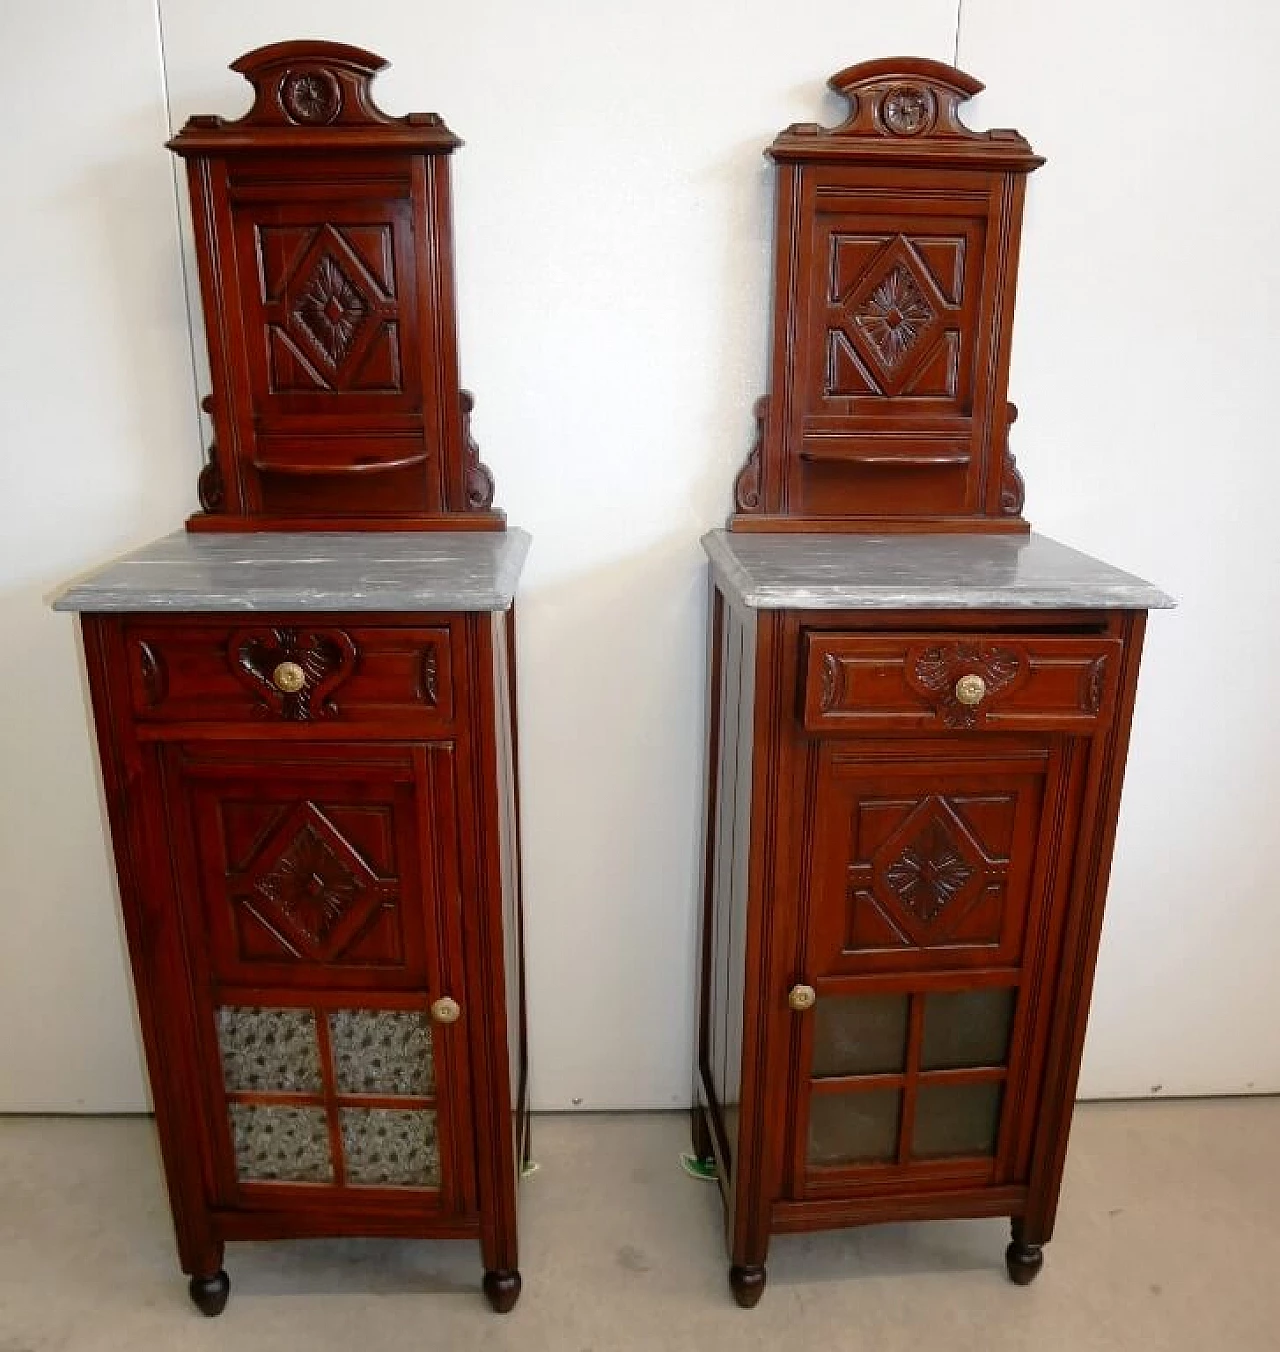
<point x="321" y="909"/>
<point x="930" y="875"/>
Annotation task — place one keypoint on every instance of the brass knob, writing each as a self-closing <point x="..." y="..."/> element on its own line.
<point x="446" y="1010"/>
<point x="971" y="689"/>
<point x="801" y="998"/>
<point x="288" y="678"/>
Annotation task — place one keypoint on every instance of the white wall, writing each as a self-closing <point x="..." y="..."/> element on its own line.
<point x="613" y="248"/>
<point x="97" y="453"/>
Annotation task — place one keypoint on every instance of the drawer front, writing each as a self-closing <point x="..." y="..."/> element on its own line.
<point x="855" y="683"/>
<point x="298" y="671"/>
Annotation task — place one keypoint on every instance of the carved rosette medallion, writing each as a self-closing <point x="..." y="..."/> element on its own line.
<point x="908" y="110"/>
<point x="310" y="97"/>
<point x="936" y="670"/>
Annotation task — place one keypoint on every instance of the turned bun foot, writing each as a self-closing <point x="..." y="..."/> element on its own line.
<point x="1024" y="1261"/>
<point x="210" y="1293"/>
<point x="748" y="1284"/>
<point x="502" y="1289"/>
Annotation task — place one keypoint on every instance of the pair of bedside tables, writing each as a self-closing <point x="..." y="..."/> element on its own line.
<point x="305" y="706"/>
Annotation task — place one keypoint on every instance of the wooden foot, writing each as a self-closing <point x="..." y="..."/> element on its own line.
<point x="502" y="1289"/>
<point x="210" y="1293"/>
<point x="1023" y="1260"/>
<point x="748" y="1284"/>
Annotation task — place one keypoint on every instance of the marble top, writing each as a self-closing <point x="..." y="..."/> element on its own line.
<point x="920" y="572"/>
<point x="298" y="570"/>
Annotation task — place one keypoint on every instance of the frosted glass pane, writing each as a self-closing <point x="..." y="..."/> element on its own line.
<point x="967" y="1028"/>
<point x="956" y="1119"/>
<point x="854" y="1128"/>
<point x="859" y="1035"/>
<point x="393" y="1147"/>
<point x="382" y="1051"/>
<point x="280" y="1144"/>
<point x="272" y="1050"/>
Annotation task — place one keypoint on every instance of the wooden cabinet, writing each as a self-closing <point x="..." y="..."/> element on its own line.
<point x="919" y="714"/>
<point x="308" y="741"/>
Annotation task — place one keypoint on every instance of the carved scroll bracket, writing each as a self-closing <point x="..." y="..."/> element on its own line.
<point x="746" y="487"/>
<point x="479" y="478"/>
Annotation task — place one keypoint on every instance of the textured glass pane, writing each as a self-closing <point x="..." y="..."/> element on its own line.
<point x="967" y="1028"/>
<point x="280" y="1144"/>
<point x="854" y="1128"/>
<point x="395" y="1147"/>
<point x="859" y="1035"/>
<point x="956" y="1119"/>
<point x="269" y="1049"/>
<point x="382" y="1051"/>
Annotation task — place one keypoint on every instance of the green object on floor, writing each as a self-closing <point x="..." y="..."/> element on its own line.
<point x="705" y="1169"/>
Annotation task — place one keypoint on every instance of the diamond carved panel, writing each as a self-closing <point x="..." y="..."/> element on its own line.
<point x="312" y="887"/>
<point x="928" y="873"/>
<point x="331" y="310"/>
<point x="891" y="317"/>
<point x="329" y="299"/>
<point x="894" y="315"/>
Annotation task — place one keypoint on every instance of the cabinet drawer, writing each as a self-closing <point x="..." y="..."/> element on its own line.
<point x="291" y="670"/>
<point x="857" y="683"/>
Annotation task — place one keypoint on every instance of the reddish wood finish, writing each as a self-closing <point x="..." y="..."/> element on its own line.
<point x="900" y="856"/>
<point x="401" y="798"/>
<point x="344" y="838"/>
<point x="323" y="236"/>
<point x="872" y="835"/>
<point x="897" y="244"/>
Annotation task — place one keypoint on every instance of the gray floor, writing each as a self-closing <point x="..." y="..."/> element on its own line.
<point x="1169" y="1237"/>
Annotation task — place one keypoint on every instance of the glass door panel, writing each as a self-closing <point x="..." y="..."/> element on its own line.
<point x="858" y="1128"/>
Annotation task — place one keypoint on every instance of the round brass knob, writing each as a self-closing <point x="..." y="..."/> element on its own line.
<point x="801" y="998"/>
<point x="971" y="689"/>
<point x="288" y="678"/>
<point x="446" y="1010"/>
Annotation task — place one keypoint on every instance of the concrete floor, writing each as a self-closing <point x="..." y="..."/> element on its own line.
<point x="1168" y="1238"/>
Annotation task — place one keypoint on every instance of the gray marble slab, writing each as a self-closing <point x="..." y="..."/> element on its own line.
<point x="920" y="572"/>
<point x="307" y="571"/>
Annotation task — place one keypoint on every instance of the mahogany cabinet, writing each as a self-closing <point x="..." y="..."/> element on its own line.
<point x="918" y="718"/>
<point x="305" y="714"/>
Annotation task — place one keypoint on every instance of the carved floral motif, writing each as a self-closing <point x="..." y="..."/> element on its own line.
<point x="938" y="668"/>
<point x="311" y="884"/>
<point x="327" y="658"/>
<point x="930" y="872"/>
<point x="1094" y="682"/>
<point x="431" y="674"/>
<point x="155" y="678"/>
<point x="893" y="316"/>
<point x="331" y="310"/>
